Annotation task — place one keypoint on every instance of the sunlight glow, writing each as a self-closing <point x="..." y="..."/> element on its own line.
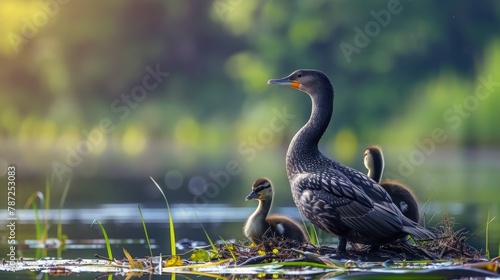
<point x="46" y="134"/>
<point x="14" y="15"/>
<point x="134" y="141"/>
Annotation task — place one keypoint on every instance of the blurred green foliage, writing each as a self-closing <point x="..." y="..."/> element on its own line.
<point x="67" y="66"/>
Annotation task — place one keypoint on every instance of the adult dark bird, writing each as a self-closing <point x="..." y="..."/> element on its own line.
<point x="400" y="194"/>
<point x="338" y="199"/>
<point x="259" y="225"/>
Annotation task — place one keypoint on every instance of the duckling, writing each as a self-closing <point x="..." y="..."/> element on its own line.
<point x="259" y="225"/>
<point x="401" y="194"/>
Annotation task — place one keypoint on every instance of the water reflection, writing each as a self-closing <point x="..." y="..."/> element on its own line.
<point x="128" y="213"/>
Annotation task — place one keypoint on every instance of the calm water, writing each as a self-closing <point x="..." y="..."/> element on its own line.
<point x="122" y="222"/>
<point x="124" y="228"/>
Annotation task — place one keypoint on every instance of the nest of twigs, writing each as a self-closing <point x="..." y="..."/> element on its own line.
<point x="449" y="244"/>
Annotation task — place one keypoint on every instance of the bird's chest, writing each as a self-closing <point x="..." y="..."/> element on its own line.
<point x="305" y="201"/>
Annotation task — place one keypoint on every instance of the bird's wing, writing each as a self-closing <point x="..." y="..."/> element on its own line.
<point x="385" y="212"/>
<point x="334" y="195"/>
<point x="371" y="188"/>
<point x="381" y="221"/>
<point x="338" y="197"/>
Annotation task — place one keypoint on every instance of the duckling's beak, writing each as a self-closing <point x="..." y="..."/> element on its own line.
<point x="287" y="81"/>
<point x="252" y="195"/>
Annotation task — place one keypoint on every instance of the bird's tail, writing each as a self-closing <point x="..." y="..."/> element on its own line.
<point x="416" y="230"/>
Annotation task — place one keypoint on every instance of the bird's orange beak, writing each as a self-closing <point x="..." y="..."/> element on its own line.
<point x="284" y="82"/>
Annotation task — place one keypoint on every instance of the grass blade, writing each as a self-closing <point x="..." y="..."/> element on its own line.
<point x="486" y="238"/>
<point x="311" y="232"/>
<point x="173" y="249"/>
<point x="45" y="228"/>
<point x="47" y="204"/>
<point x="487" y="230"/>
<point x="38" y="225"/>
<point x="315" y="235"/>
<point x="145" y="230"/>
<point x="481" y="227"/>
<point x="59" y="223"/>
<point x="31" y="202"/>
<point x="38" y="230"/>
<point x="65" y="193"/>
<point x="106" y="239"/>
<point x="230" y="251"/>
<point x="428" y="204"/>
<point x="206" y="234"/>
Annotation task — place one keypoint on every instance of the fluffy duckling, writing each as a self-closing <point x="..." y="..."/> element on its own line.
<point x="259" y="225"/>
<point x="401" y="195"/>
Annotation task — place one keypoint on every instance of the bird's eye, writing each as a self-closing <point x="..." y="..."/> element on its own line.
<point x="299" y="75"/>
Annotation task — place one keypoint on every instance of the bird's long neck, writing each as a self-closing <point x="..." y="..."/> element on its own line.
<point x="304" y="145"/>
<point x="260" y="214"/>
<point x="376" y="172"/>
<point x="256" y="224"/>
